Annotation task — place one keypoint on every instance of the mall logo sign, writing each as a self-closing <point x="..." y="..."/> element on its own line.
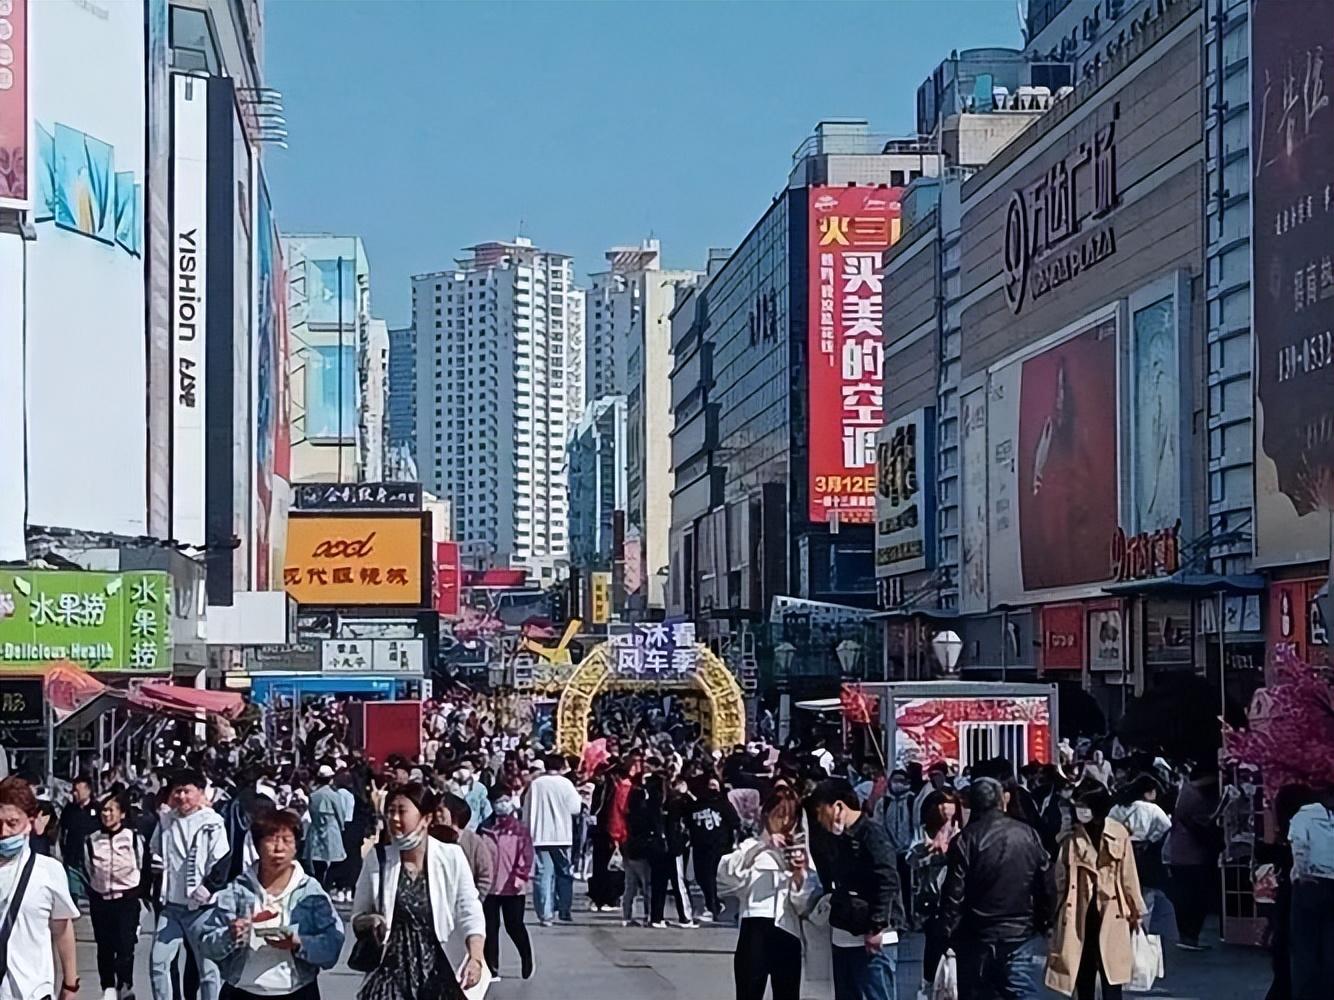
<point x="1047" y="242"/>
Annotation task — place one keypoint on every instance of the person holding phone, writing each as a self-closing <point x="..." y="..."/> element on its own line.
<point x="771" y="878"/>
<point x="274" y="929"/>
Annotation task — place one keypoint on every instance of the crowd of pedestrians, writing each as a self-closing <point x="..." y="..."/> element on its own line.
<point x="258" y="871"/>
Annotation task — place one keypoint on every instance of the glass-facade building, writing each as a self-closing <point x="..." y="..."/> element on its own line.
<point x="403" y="388"/>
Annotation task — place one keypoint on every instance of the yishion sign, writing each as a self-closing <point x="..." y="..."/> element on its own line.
<point x="1056" y="227"/>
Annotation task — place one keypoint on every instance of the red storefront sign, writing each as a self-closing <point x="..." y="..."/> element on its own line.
<point x="1146" y="555"/>
<point x="447" y="578"/>
<point x="1295" y="626"/>
<point x="850" y="228"/>
<point x="1063" y="636"/>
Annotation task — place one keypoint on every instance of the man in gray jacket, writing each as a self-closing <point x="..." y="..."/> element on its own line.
<point x="455" y="814"/>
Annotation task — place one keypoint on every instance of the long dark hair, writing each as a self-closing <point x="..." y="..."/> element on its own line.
<point x="425" y="799"/>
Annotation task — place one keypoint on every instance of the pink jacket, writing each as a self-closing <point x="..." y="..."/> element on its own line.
<point x="513" y="853"/>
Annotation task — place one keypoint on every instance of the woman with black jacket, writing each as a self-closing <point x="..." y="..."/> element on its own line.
<point x="645" y="845"/>
<point x="669" y="871"/>
<point x="712" y="825"/>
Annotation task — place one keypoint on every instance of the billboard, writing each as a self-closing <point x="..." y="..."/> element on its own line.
<point x="1053" y="484"/>
<point x="345" y="560"/>
<point x="86" y="359"/>
<point x="964" y="730"/>
<point x="15" y="128"/>
<point x="267" y="367"/>
<point x="849" y="230"/>
<point x="1106" y="638"/>
<point x="188" y="305"/>
<point x="1156" y="407"/>
<point x="331" y="294"/>
<point x="100" y="621"/>
<point x="973" y="502"/>
<point x="905" y="494"/>
<point x="1292" y="284"/>
<point x="331" y="391"/>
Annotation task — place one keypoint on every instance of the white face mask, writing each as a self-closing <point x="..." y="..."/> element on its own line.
<point x="839" y="825"/>
<point x="1084" y="814"/>
<point x="410" y="841"/>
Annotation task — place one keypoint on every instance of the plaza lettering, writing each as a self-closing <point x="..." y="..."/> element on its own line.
<point x="1146" y="555"/>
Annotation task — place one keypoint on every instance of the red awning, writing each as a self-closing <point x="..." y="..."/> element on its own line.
<point x="160" y="696"/>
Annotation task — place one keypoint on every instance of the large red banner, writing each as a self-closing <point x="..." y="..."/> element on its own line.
<point x="14" y="151"/>
<point x="850" y="228"/>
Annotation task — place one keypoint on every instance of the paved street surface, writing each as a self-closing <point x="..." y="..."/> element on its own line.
<point x="597" y="959"/>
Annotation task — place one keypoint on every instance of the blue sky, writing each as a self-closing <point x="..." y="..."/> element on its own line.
<point x="424" y="127"/>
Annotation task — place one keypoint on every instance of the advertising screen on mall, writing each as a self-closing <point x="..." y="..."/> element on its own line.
<point x="850" y="228"/>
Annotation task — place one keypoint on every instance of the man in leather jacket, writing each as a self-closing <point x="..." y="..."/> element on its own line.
<point x="996" y="902"/>
<point x="866" y="911"/>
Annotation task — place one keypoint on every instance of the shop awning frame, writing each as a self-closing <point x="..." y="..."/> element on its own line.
<point x="1183" y="583"/>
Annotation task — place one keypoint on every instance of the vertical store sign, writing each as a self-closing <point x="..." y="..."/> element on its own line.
<point x="850" y="228"/>
<point x="904" y="495"/>
<point x="15" y="128"/>
<point x="1292" y="185"/>
<point x="973" y="504"/>
<point x="189" y="204"/>
<point x="448" y="580"/>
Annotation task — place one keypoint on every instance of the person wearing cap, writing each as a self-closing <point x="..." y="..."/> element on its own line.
<point x="324" y="838"/>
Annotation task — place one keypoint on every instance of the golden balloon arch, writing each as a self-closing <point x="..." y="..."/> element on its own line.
<point x="725" y="725"/>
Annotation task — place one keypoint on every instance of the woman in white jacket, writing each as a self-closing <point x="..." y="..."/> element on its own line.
<point x="428" y="898"/>
<point x="771" y="877"/>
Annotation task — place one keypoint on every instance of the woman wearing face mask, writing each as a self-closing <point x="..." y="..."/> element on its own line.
<point x="273" y="929"/>
<point x="771" y="879"/>
<point x="429" y="898"/>
<point x="1099" y="902"/>
<point x="512" y="849"/>
<point x="114" y="858"/>
<point x="941" y="820"/>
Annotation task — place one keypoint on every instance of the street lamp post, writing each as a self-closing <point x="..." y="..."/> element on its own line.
<point x="849" y="654"/>
<point x="948" y="647"/>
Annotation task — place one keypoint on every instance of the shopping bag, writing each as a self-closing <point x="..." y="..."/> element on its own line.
<point x="1146" y="956"/>
<point x="946" y="985"/>
<point x="616" y="863"/>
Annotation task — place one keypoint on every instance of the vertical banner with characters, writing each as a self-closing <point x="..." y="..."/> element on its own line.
<point x="1292" y="170"/>
<point x="850" y="229"/>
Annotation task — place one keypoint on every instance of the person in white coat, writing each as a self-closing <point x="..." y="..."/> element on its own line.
<point x="772" y="879"/>
<point x="429" y="899"/>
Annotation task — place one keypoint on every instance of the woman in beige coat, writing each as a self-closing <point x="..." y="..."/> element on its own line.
<point x="1099" y="903"/>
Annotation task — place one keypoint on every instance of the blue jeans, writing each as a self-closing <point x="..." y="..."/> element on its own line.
<point x="176" y="926"/>
<point x="1001" y="971"/>
<point x="553" y="886"/>
<point x="862" y="975"/>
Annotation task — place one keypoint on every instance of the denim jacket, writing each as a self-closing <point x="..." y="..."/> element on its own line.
<point x="317" y="923"/>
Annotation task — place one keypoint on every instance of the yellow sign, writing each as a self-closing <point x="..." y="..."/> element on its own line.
<point x="334" y="560"/>
<point x="601" y="599"/>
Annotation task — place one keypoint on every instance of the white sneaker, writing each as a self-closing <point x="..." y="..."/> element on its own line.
<point x="706" y="917"/>
<point x="629" y="923"/>
<point x="660" y="925"/>
<point x="688" y="925"/>
<point x="110" y="993"/>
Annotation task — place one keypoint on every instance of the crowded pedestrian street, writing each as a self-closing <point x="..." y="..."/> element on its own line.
<point x="597" y="959"/>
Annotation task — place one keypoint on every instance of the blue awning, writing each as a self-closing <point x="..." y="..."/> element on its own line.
<point x="1190" y="584"/>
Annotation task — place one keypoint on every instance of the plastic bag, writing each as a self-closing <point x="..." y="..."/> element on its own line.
<point x="616" y="863"/>
<point x="946" y="985"/>
<point x="1146" y="954"/>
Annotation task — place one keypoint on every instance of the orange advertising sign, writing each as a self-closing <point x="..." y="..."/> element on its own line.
<point x="341" y="560"/>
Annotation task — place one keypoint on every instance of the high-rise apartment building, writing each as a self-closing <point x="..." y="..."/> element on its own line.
<point x="628" y="353"/>
<point x="402" y="389"/>
<point x="497" y="378"/>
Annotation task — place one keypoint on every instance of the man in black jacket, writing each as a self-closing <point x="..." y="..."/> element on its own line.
<point x="996" y="901"/>
<point x="866" y="910"/>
